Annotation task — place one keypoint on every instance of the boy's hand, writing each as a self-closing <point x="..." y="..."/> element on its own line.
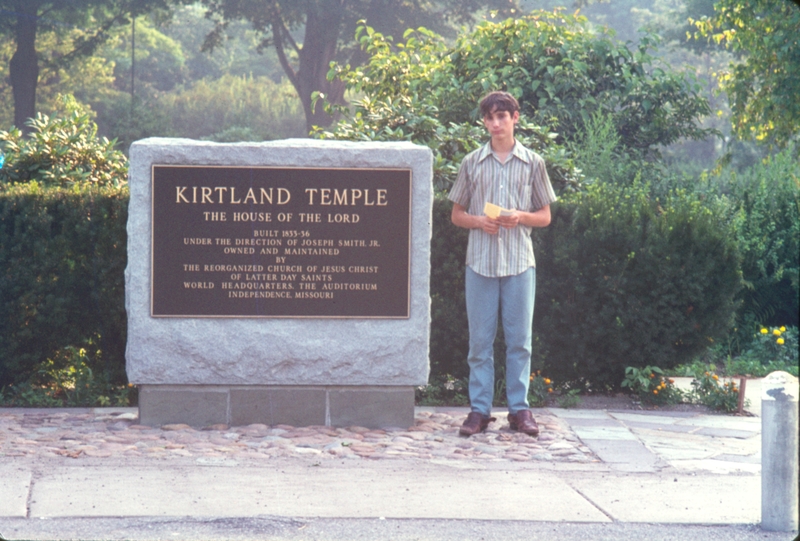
<point x="490" y="225"/>
<point x="509" y="221"/>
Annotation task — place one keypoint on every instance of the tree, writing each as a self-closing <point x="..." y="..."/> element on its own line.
<point x="562" y="72"/>
<point x="23" y="19"/>
<point x="327" y="26"/>
<point x="764" y="83"/>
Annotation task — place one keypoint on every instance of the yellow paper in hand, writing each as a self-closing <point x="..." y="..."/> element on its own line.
<point x="494" y="211"/>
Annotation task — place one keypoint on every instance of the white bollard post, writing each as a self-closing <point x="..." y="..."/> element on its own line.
<point x="779" y="449"/>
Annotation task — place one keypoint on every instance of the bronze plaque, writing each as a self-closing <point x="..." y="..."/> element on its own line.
<point x="280" y="242"/>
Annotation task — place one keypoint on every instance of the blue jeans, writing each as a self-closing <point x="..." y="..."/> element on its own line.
<point x="510" y="297"/>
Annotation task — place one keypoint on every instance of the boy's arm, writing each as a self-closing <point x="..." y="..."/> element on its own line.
<point x="461" y="218"/>
<point x="537" y="218"/>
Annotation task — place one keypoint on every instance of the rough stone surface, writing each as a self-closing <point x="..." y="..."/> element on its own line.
<point x="433" y="437"/>
<point x="233" y="351"/>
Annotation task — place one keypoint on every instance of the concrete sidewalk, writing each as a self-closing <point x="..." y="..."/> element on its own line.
<point x="657" y="475"/>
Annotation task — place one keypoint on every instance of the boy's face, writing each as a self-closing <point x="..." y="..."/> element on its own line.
<point x="500" y="124"/>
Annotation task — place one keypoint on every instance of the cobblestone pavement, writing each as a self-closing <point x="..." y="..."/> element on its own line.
<point x="434" y="436"/>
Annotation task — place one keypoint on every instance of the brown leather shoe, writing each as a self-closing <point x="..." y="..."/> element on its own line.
<point x="475" y="423"/>
<point x="524" y="422"/>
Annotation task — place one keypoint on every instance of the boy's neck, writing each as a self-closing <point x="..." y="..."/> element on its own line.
<point x="502" y="146"/>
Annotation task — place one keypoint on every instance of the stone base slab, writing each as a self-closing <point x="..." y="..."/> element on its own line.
<point x="205" y="405"/>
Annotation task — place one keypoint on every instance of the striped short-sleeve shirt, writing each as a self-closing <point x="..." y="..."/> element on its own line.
<point x="520" y="183"/>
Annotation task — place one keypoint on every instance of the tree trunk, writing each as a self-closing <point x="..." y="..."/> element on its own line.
<point x="323" y="25"/>
<point x="24" y="66"/>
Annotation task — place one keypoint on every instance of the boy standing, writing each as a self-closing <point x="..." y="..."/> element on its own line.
<point x="500" y="274"/>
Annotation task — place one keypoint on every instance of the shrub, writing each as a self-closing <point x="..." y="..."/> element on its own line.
<point x="540" y="390"/>
<point x="766" y="352"/>
<point x="62" y="150"/>
<point x="630" y="281"/>
<point x="68" y="380"/>
<point x="63" y="212"/>
<point x="651" y="386"/>
<point x="562" y="72"/>
<point x="774" y="345"/>
<point x="62" y="262"/>
<point x="708" y="391"/>
<point x="443" y="390"/>
<point x="767" y="196"/>
<point x="449" y="331"/>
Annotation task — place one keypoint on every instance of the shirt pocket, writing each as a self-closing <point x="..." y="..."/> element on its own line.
<point x="523" y="197"/>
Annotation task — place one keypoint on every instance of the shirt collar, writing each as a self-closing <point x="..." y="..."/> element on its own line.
<point x="518" y="151"/>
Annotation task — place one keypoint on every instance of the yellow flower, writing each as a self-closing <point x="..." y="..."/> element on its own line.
<point x="547" y="381"/>
<point x="780" y="341"/>
<point x="531" y="378"/>
<point x="549" y="390"/>
<point x="783" y="329"/>
<point x="764" y="331"/>
<point x="655" y="391"/>
<point x="715" y="377"/>
<point x="776" y="332"/>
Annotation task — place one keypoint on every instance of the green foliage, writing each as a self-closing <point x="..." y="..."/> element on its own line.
<point x="765" y="209"/>
<point x="160" y="59"/>
<point x="601" y="157"/>
<point x="328" y="27"/>
<point x="624" y="281"/>
<point x="443" y="390"/>
<point x="449" y="335"/>
<point x="763" y="84"/>
<point x="540" y="390"/>
<point x="571" y="398"/>
<point x="129" y="122"/>
<point x="28" y="395"/>
<point x="62" y="150"/>
<point x="67" y="380"/>
<point x="258" y="107"/>
<point x="409" y="93"/>
<point x="764" y="212"/>
<point x="631" y="281"/>
<point x="774" y="345"/>
<point x="62" y="261"/>
<point x="240" y="55"/>
<point x="562" y="73"/>
<point x="733" y="367"/>
<point x="651" y="386"/>
<point x="88" y="78"/>
<point x="763" y="353"/>
<point x="707" y="390"/>
<point x="229" y="109"/>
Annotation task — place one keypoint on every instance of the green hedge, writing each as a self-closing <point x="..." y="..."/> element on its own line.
<point x="62" y="262"/>
<point x="449" y="332"/>
<point x="621" y="281"/>
<point x="767" y="196"/>
<point x="630" y="281"/>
